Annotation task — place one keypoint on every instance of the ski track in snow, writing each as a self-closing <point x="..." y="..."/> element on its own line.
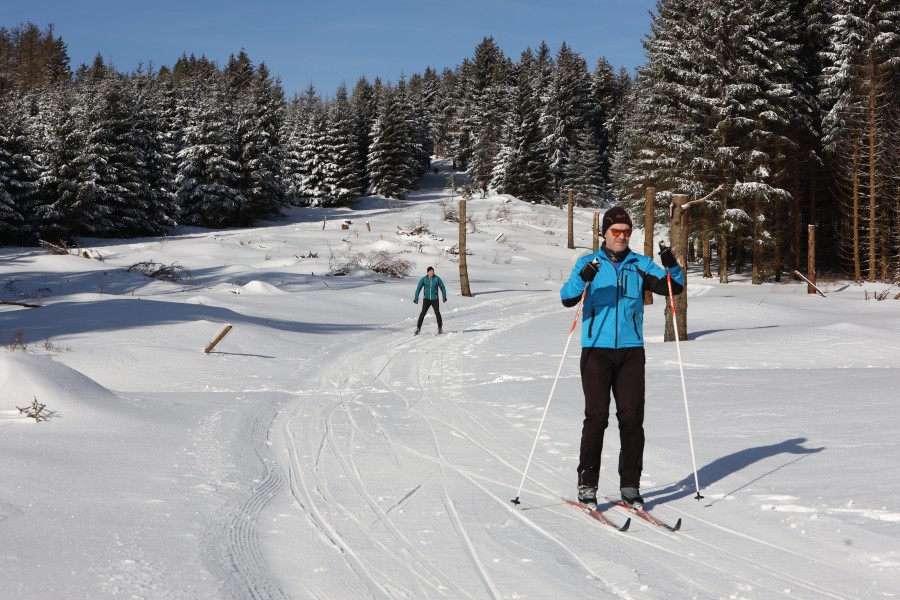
<point x="384" y="464"/>
<point x="399" y="403"/>
<point x="233" y="543"/>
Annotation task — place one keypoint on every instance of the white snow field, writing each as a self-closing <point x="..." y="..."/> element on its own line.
<point x="320" y="450"/>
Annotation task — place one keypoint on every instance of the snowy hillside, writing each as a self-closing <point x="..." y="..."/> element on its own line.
<point x="323" y="451"/>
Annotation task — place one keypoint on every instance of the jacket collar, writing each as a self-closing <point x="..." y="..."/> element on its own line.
<point x="629" y="255"/>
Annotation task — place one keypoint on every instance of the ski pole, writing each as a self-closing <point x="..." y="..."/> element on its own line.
<point x="687" y="413"/>
<point x="550" y="397"/>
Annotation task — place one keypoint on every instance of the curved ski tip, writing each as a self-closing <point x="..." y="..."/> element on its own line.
<point x="627" y="525"/>
<point x="677" y="525"/>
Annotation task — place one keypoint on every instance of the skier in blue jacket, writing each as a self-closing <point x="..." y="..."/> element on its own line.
<point x="431" y="284"/>
<point x="612" y="349"/>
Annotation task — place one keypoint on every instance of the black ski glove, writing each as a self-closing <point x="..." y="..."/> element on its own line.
<point x="588" y="272"/>
<point x="666" y="256"/>
<point x="415" y="301"/>
<point x="445" y="298"/>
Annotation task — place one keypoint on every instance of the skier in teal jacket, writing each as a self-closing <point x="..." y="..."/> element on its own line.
<point x="612" y="349"/>
<point x="431" y="284"/>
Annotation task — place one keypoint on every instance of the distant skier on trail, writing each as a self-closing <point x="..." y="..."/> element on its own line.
<point x="431" y="284"/>
<point x="612" y="353"/>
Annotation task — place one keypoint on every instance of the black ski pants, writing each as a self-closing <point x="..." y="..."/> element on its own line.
<point x="426" y="304"/>
<point x="620" y="371"/>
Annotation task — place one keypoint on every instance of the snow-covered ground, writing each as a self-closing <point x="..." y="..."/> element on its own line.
<point x="323" y="451"/>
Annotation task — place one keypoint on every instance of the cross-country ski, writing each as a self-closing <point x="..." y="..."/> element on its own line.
<point x="599" y="516"/>
<point x="646" y="515"/>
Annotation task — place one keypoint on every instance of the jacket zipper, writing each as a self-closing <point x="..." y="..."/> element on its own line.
<point x="618" y="291"/>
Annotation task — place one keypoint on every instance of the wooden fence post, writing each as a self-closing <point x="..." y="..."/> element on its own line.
<point x="649" y="204"/>
<point x="811" y="261"/>
<point x="218" y="339"/>
<point x="571" y="220"/>
<point x="463" y="267"/>
<point x="681" y="227"/>
<point x="596" y="244"/>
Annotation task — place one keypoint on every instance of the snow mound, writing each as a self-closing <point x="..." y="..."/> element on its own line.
<point x="259" y="287"/>
<point x="26" y="378"/>
<point x="386" y="246"/>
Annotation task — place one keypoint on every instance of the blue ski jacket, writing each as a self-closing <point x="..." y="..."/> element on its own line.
<point x="613" y="312"/>
<point x="431" y="287"/>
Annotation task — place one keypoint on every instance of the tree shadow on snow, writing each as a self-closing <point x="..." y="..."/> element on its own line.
<point x="727" y="465"/>
<point x="699" y="334"/>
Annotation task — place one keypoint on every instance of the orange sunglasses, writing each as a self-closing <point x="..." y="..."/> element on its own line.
<point x="618" y="232"/>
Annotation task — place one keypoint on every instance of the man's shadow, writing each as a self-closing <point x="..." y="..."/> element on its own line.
<point x="727" y="465"/>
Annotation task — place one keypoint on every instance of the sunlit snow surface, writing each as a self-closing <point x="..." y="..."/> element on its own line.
<point x="323" y="451"/>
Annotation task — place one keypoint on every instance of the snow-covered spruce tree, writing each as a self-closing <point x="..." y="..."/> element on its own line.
<point x="525" y="173"/>
<point x="163" y="100"/>
<point x="542" y="75"/>
<point x="437" y="92"/>
<point x="151" y="136"/>
<point x="364" y="103"/>
<point x="392" y="166"/>
<point x="10" y="185"/>
<point x="260" y="112"/>
<point x="290" y="161"/>
<point x="72" y="202"/>
<point x="719" y="103"/>
<point x="860" y="78"/>
<point x="108" y="159"/>
<point x="344" y="169"/>
<point x="453" y="127"/>
<point x="568" y="112"/>
<point x="208" y="185"/>
<point x="486" y="84"/>
<point x="606" y="120"/>
<point x="103" y="169"/>
<point x="18" y="170"/>
<point x="309" y="145"/>
<point x="584" y="175"/>
<point x="669" y="141"/>
<point x="509" y="134"/>
<point x="769" y="117"/>
<point x="418" y="100"/>
<point x="255" y="104"/>
<point x="810" y="198"/>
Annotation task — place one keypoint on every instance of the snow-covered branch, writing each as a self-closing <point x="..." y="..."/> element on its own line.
<point x="687" y="205"/>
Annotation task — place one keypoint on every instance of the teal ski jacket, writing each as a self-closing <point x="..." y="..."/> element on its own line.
<point x="431" y="287"/>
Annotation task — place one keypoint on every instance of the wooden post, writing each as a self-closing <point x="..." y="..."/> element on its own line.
<point x="368" y="226"/>
<point x="571" y="220"/>
<point x="811" y="261"/>
<point x="596" y="244"/>
<point x="463" y="267"/>
<point x="649" y="205"/>
<point x="218" y="339"/>
<point x="681" y="226"/>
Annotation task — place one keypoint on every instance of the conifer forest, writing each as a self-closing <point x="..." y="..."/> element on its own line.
<point x="791" y="106"/>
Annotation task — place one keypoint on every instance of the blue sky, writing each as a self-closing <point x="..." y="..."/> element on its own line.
<point x="326" y="42"/>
